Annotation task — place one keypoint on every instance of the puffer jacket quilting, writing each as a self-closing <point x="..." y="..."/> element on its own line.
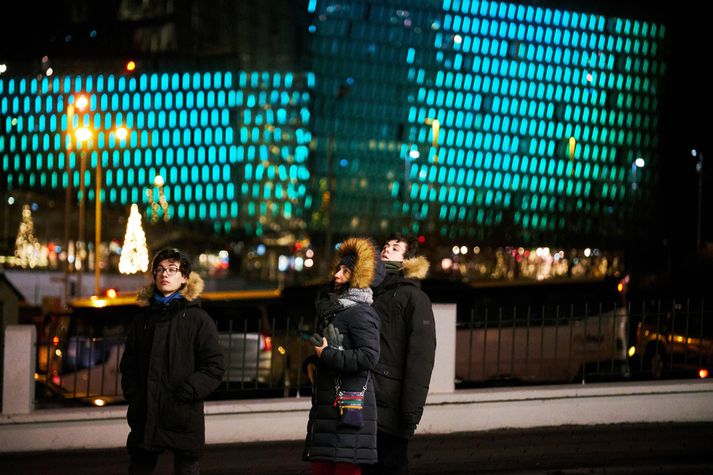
<point x="327" y="438"/>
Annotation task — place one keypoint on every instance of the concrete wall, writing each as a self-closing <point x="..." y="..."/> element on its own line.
<point x="470" y="410"/>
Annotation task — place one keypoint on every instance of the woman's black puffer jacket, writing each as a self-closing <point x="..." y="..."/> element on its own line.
<point x="351" y="313"/>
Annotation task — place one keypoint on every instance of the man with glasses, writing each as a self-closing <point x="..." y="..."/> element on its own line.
<point x="172" y="361"/>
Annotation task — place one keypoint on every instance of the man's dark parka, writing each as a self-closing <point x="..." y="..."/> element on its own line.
<point x="171" y="362"/>
<point x="408" y="348"/>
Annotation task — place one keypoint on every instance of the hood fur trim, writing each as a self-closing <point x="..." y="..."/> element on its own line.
<point x="192" y="290"/>
<point x="416" y="267"/>
<point x="363" y="272"/>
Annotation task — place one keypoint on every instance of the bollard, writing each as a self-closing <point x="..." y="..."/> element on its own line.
<point x="444" y="369"/>
<point x="18" y="384"/>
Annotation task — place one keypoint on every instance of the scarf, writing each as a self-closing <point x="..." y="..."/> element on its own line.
<point x="354" y="296"/>
<point x="393" y="267"/>
<point x="165" y="301"/>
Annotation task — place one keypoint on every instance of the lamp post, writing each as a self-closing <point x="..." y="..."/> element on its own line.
<point x="638" y="163"/>
<point x="83" y="135"/>
<point x="79" y="103"/>
<point x="432" y="213"/>
<point x="698" y="155"/>
<point x="634" y="222"/>
<point x="158" y="182"/>
<point x="329" y="194"/>
<point x="82" y="138"/>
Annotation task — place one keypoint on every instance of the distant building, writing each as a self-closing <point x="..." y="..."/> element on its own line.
<point x="480" y="122"/>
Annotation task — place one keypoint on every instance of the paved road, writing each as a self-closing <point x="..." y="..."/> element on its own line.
<point x="638" y="449"/>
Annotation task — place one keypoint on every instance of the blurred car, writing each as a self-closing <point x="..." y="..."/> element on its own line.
<point x="551" y="331"/>
<point x="79" y="354"/>
<point x="672" y="339"/>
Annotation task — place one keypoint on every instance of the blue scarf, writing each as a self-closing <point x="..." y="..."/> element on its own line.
<point x="165" y="301"/>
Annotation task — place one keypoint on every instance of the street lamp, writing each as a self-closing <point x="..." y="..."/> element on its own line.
<point x="638" y="163"/>
<point x="84" y="136"/>
<point x="328" y="195"/>
<point x="158" y="182"/>
<point x="79" y="103"/>
<point x="435" y="131"/>
<point x="698" y="155"/>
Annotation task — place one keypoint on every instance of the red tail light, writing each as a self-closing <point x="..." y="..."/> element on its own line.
<point x="265" y="342"/>
<point x="703" y="373"/>
<point x="55" y="341"/>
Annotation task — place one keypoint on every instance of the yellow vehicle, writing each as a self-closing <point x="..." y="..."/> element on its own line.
<point x="672" y="339"/>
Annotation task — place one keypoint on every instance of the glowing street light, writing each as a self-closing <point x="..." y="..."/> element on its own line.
<point x="638" y="163"/>
<point x="158" y="182"/>
<point x="435" y="131"/>
<point x="83" y="134"/>
<point x="80" y="102"/>
<point x="698" y="155"/>
<point x="121" y="133"/>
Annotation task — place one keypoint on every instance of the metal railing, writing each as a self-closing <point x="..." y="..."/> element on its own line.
<point x="540" y="344"/>
<point x="495" y="345"/>
<point x="258" y="363"/>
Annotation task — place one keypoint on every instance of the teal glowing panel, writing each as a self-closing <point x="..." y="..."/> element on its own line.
<point x="182" y="126"/>
<point x="482" y="119"/>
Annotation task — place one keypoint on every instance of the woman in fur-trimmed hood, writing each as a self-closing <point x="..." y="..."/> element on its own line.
<point x="172" y="361"/>
<point x="345" y="315"/>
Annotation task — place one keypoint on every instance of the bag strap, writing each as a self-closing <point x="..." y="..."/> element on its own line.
<point x="338" y="383"/>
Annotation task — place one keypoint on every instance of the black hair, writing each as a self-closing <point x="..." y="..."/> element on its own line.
<point x="411" y="244"/>
<point x="173" y="254"/>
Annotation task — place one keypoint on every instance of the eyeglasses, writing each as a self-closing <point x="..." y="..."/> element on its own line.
<point x="171" y="271"/>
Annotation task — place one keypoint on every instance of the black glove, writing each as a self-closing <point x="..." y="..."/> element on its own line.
<point x="316" y="339"/>
<point x="334" y="338"/>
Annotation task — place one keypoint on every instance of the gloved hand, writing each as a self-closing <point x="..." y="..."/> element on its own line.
<point x="316" y="339"/>
<point x="334" y="338"/>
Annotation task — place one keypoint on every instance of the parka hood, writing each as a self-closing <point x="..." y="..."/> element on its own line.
<point x="365" y="252"/>
<point x="192" y="290"/>
<point x="416" y="268"/>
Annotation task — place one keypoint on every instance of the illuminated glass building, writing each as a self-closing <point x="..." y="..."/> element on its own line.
<point x="542" y="114"/>
<point x="496" y="122"/>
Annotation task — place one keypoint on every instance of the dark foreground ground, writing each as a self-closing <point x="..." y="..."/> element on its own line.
<point x="672" y="448"/>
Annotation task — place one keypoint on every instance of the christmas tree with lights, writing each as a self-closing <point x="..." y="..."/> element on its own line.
<point x="27" y="247"/>
<point x="134" y="253"/>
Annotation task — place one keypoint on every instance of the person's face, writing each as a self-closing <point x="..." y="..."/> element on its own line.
<point x="393" y="251"/>
<point x="168" y="276"/>
<point x="342" y="276"/>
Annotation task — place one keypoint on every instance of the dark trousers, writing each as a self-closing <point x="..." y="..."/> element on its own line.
<point x="143" y="462"/>
<point x="393" y="456"/>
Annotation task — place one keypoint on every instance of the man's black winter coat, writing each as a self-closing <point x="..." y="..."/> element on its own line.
<point x="408" y="348"/>
<point x="171" y="362"/>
